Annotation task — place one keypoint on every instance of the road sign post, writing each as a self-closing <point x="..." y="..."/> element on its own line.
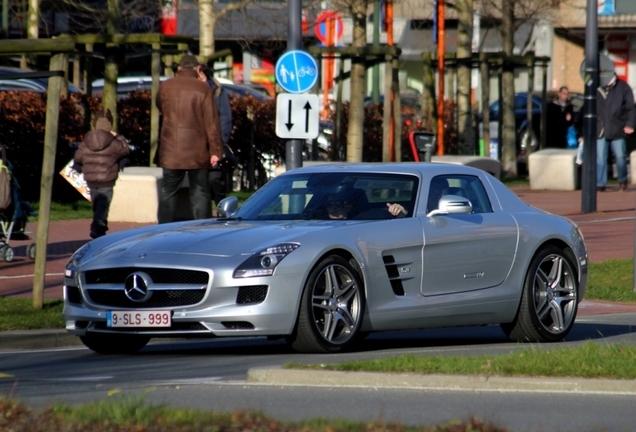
<point x="296" y="71"/>
<point x="297" y="116"/>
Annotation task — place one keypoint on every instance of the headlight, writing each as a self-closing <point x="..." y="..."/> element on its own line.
<point x="73" y="264"/>
<point x="264" y="262"/>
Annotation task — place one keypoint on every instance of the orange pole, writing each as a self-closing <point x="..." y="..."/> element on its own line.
<point x="329" y="63"/>
<point x="389" y="42"/>
<point x="440" y="70"/>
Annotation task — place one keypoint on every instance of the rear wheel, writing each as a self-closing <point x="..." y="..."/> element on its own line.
<point x="114" y="344"/>
<point x="549" y="300"/>
<point x="31" y="251"/>
<point x="331" y="309"/>
<point x="8" y="254"/>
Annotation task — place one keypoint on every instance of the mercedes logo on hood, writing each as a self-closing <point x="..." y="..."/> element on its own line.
<point x="137" y="287"/>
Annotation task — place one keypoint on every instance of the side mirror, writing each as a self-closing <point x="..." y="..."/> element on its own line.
<point x="227" y="206"/>
<point x="452" y="204"/>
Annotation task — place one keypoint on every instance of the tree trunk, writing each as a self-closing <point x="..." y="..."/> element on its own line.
<point x="207" y="21"/>
<point x="507" y="112"/>
<point x="111" y="66"/>
<point x="356" y="101"/>
<point x="32" y="19"/>
<point x="465" y="130"/>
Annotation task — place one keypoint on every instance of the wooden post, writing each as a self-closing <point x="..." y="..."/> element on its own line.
<point x="64" y="89"/>
<point x="501" y="107"/>
<point x="530" y="129"/>
<point x="109" y="95"/>
<point x="154" y="111"/>
<point x="335" y="151"/>
<point x="430" y="105"/>
<point x="388" y="108"/>
<point x="48" y="171"/>
<point x="485" y="101"/>
<point x="77" y="71"/>
<point x="88" y="71"/>
<point x="441" y="48"/>
<point x="544" y="103"/>
<point x="396" y="154"/>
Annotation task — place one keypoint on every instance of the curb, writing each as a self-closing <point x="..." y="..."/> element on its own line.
<point x="37" y="339"/>
<point x="311" y="377"/>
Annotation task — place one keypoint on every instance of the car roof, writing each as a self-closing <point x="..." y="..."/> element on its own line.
<point x="27" y="83"/>
<point x="242" y="90"/>
<point x="415" y="168"/>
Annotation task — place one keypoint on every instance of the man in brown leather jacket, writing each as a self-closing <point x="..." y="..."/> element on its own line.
<point x="190" y="140"/>
<point x="99" y="155"/>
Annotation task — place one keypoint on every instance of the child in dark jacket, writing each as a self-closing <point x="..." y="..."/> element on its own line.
<point x="99" y="154"/>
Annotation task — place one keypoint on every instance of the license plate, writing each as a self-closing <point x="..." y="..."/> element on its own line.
<point x="138" y="319"/>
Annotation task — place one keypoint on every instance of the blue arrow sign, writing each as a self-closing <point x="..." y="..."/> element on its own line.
<point x="296" y="71"/>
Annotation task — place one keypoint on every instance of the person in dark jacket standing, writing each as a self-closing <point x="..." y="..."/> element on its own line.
<point x="559" y="115"/>
<point x="616" y="118"/>
<point x="190" y="140"/>
<point x="99" y="155"/>
<point x="218" y="176"/>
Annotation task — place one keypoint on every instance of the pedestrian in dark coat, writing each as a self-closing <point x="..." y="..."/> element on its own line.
<point x="220" y="176"/>
<point x="559" y="117"/>
<point x="190" y="140"/>
<point x="616" y="118"/>
<point x="99" y="155"/>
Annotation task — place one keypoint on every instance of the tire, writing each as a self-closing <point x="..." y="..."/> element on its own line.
<point x="31" y="251"/>
<point x="2" y="251"/>
<point x="331" y="309"/>
<point x="549" y="301"/>
<point x="8" y="253"/>
<point x="114" y="344"/>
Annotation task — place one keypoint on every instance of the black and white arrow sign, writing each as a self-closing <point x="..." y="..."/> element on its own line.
<point x="297" y="115"/>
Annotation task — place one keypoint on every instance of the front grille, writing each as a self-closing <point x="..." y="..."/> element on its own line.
<point x="158" y="276"/>
<point x="73" y="295"/>
<point x="175" y="327"/>
<point x="238" y="325"/>
<point x="251" y="294"/>
<point x="159" y="299"/>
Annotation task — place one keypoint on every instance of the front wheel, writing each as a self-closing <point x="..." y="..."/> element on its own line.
<point x="331" y="309"/>
<point x="114" y="344"/>
<point x="549" y="300"/>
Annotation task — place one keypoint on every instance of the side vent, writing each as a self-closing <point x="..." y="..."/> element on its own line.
<point x="393" y="274"/>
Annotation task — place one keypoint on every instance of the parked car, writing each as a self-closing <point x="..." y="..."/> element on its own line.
<point x="127" y="84"/>
<point x="34" y="84"/>
<point x="281" y="266"/>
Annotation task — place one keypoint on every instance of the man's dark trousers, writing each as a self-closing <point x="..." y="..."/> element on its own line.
<point x="199" y="194"/>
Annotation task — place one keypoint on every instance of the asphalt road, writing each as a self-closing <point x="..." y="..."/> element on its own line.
<point x="245" y="374"/>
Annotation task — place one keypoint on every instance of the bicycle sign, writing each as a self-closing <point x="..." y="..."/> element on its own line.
<point x="296" y="71"/>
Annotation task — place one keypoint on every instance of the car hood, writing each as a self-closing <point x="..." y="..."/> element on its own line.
<point x="212" y="238"/>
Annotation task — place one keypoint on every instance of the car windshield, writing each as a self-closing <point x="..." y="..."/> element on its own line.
<point x="328" y="196"/>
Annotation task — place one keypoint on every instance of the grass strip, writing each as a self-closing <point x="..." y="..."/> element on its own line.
<point x="134" y="414"/>
<point x="589" y="360"/>
<point x="19" y="314"/>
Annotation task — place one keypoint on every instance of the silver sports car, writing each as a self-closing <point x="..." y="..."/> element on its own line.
<point x="324" y="255"/>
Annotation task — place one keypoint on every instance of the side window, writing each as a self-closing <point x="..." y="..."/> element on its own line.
<point x="465" y="186"/>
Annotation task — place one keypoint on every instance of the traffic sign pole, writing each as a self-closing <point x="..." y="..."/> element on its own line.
<point x="294" y="147"/>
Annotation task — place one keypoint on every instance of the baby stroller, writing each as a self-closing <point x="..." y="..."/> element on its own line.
<point x="14" y="214"/>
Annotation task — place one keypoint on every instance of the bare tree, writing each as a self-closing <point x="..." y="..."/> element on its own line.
<point x="511" y="14"/>
<point x="358" y="10"/>
<point x="208" y="17"/>
<point x="33" y="19"/>
<point x="465" y="130"/>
